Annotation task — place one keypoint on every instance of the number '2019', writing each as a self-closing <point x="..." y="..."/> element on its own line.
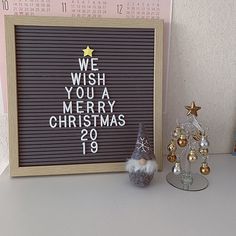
<point x="93" y="136"/>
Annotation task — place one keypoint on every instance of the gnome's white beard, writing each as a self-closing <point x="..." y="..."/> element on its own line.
<point x="134" y="165"/>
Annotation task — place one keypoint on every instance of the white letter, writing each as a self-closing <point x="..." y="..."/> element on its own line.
<point x="79" y="121"/>
<point x="104" y="122"/>
<point x="53" y="118"/>
<point x="92" y="81"/>
<point x="62" y="120"/>
<point x="68" y="91"/>
<point x="113" y="120"/>
<point x="101" y="106"/>
<point x="90" y="106"/>
<point x="83" y="64"/>
<point x="93" y="64"/>
<point x="111" y="105"/>
<point x="78" y="107"/>
<point x="105" y="93"/>
<point x="86" y="119"/>
<point x="121" y="121"/>
<point x="75" y="78"/>
<point x="67" y="108"/>
<point x="80" y="92"/>
<point x="95" y="120"/>
<point x="92" y="93"/>
<point x="71" y="121"/>
<point x="101" y="79"/>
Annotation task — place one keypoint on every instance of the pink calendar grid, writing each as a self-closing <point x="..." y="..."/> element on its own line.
<point x="146" y="9"/>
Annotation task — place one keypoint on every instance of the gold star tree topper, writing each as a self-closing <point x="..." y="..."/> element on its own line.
<point x="192" y="109"/>
<point x="88" y="51"/>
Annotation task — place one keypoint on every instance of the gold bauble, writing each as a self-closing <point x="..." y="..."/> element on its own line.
<point x="205" y="169"/>
<point x="171" y="147"/>
<point x="198" y="135"/>
<point x="171" y="157"/>
<point x="192" y="156"/>
<point x="142" y="161"/>
<point x="203" y="151"/>
<point x="182" y="140"/>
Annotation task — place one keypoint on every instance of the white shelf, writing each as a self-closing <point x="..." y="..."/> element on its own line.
<point x="107" y="204"/>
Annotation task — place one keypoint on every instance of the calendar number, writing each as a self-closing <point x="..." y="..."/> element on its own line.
<point x="119" y="8"/>
<point x="64" y="7"/>
<point x="5" y="5"/>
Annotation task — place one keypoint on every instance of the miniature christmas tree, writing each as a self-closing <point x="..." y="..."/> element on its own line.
<point x="189" y="143"/>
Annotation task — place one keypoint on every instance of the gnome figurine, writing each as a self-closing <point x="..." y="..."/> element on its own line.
<point x="142" y="164"/>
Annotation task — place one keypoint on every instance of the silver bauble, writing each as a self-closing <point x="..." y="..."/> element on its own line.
<point x="176" y="133"/>
<point x="204" y="143"/>
<point x="177" y="168"/>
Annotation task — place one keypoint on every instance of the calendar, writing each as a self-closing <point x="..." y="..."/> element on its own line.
<point x="144" y="9"/>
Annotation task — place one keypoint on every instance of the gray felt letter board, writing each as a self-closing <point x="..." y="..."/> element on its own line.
<point x="77" y="90"/>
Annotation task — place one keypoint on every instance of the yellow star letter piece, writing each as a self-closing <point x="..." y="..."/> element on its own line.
<point x="88" y="51"/>
<point x="192" y="109"/>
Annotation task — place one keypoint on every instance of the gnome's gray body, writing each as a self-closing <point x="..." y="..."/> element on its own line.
<point x="142" y="164"/>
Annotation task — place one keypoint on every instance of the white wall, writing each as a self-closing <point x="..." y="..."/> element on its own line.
<point x="203" y="68"/>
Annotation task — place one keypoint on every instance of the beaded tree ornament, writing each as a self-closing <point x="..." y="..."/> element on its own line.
<point x="189" y="142"/>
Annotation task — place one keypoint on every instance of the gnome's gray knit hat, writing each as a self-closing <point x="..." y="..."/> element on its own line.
<point x="143" y="147"/>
